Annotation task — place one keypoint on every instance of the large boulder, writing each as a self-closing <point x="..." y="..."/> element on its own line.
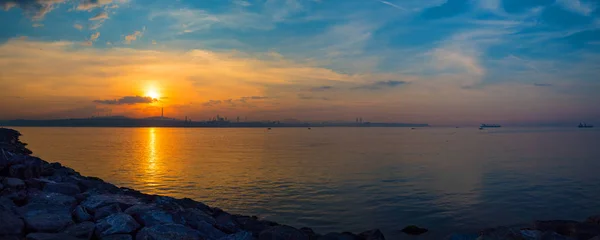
<point x="374" y="234"/>
<point x="95" y="202"/>
<point x="414" y="230"/>
<point x="339" y="236"/>
<point x="227" y="223"/>
<point x="40" y="217"/>
<point x="593" y="219"/>
<point x="501" y="233"/>
<point x="282" y="233"/>
<point x="80" y="214"/>
<point x="83" y="230"/>
<point x="64" y="188"/>
<point x="10" y="222"/>
<point x="106" y="211"/>
<point x="459" y="236"/>
<point x="243" y="235"/>
<point x="192" y="216"/>
<point x="208" y="231"/>
<point x="51" y="199"/>
<point x="255" y="226"/>
<point x="158" y="217"/>
<point x="50" y="236"/>
<point x="167" y="232"/>
<point x="13" y="183"/>
<point x="116" y="224"/>
<point x="118" y="237"/>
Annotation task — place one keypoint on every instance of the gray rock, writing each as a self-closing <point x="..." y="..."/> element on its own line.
<point x="256" y="226"/>
<point x="1" y="186"/>
<point x="97" y="201"/>
<point x="208" y="231"/>
<point x="68" y="189"/>
<point x="36" y="183"/>
<point x="243" y="235"/>
<point x="158" y="217"/>
<point x="193" y="216"/>
<point x="13" y="183"/>
<point x="457" y="236"/>
<point x="282" y="233"/>
<point x="80" y="214"/>
<point x="309" y="232"/>
<point x="52" y="199"/>
<point x="501" y="233"/>
<point x="167" y="203"/>
<point x="374" y="234"/>
<point x="140" y="208"/>
<point x="595" y="238"/>
<point x="168" y="231"/>
<point x="593" y="219"/>
<point x="118" y="237"/>
<point x="562" y="227"/>
<point x="50" y="236"/>
<point x="339" y="236"/>
<point x="530" y="234"/>
<point x="41" y="217"/>
<point x="553" y="236"/>
<point x="107" y="211"/>
<point x="11" y="237"/>
<point x="226" y="223"/>
<point x="414" y="230"/>
<point x="10" y="223"/>
<point x="81" y="230"/>
<point x="116" y="224"/>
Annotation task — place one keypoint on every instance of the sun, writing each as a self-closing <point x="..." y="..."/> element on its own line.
<point x="153" y="94"/>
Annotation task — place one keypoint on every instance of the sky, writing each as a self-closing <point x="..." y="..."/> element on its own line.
<point x="423" y="61"/>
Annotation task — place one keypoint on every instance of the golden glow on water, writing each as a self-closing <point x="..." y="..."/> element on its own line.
<point x="151" y="169"/>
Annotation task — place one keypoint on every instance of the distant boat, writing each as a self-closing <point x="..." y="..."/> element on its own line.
<point x="489" y="126"/>
<point x="268" y="128"/>
<point x="584" y="125"/>
<point x="308" y="128"/>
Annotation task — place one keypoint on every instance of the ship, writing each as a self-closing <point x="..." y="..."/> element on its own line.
<point x="489" y="126"/>
<point x="584" y="125"/>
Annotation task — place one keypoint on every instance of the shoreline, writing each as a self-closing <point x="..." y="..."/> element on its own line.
<point x="42" y="200"/>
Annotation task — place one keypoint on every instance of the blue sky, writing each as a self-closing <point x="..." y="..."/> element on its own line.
<point x="459" y="61"/>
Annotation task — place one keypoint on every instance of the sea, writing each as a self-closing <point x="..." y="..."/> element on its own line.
<point x="349" y="179"/>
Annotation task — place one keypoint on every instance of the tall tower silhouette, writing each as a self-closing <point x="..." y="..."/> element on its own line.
<point x="162" y="112"/>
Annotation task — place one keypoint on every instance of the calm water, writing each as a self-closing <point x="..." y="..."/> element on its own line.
<point x="339" y="179"/>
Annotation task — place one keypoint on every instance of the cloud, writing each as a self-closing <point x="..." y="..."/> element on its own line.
<point x="134" y="36"/>
<point x="391" y="5"/>
<point x="232" y="102"/>
<point x="543" y="85"/>
<point x="87" y="5"/>
<point x="321" y="88"/>
<point x="99" y="16"/>
<point x="577" y="6"/>
<point x="307" y="97"/>
<point x="127" y="100"/>
<point x="37" y="25"/>
<point x="36" y="9"/>
<point x="382" y="85"/>
<point x="78" y="26"/>
<point x="92" y="39"/>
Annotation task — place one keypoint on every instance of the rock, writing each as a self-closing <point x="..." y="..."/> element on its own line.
<point x="243" y="235"/>
<point x="68" y="189"/>
<point x="97" y="201"/>
<point x="36" y="183"/>
<point x="81" y="230"/>
<point x="158" y="217"/>
<point x="167" y="203"/>
<point x="10" y="223"/>
<point x="50" y="236"/>
<point x="282" y="233"/>
<point x="501" y="233"/>
<point x="530" y="234"/>
<point x="168" y="231"/>
<point x="310" y="233"/>
<point x="41" y="217"/>
<point x="339" y="236"/>
<point x="191" y="204"/>
<point x="192" y="216"/>
<point x="13" y="183"/>
<point x="253" y="225"/>
<point x="595" y="238"/>
<point x="11" y="237"/>
<point x="106" y="211"/>
<point x="562" y="227"/>
<point x="208" y="231"/>
<point x="226" y="223"/>
<point x="80" y="214"/>
<point x="140" y="208"/>
<point x="457" y="236"/>
<point x="584" y="231"/>
<point x="593" y="219"/>
<point x="30" y="167"/>
<point x="553" y="236"/>
<point x="414" y="230"/>
<point x="116" y="224"/>
<point x="1" y="186"/>
<point x="374" y="234"/>
<point x="52" y="199"/>
<point x="118" y="237"/>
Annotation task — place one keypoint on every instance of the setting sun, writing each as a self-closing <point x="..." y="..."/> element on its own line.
<point x="153" y="94"/>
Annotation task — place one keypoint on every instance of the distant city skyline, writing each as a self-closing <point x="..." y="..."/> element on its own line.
<point x="442" y="62"/>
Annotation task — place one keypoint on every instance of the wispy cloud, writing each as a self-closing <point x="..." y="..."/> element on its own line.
<point x="543" y="85"/>
<point x="36" y="9"/>
<point x="92" y="39"/>
<point x="91" y="4"/>
<point x="37" y="25"/>
<point x="321" y="88"/>
<point x="577" y="6"/>
<point x="382" y="85"/>
<point x="134" y="36"/>
<point x="233" y="102"/>
<point x="78" y="26"/>
<point x="127" y="100"/>
<point x="99" y="16"/>
<point x="392" y="5"/>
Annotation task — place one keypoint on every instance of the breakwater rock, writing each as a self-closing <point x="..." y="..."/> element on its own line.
<point x="47" y="201"/>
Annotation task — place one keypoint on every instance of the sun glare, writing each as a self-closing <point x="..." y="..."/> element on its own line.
<point x="153" y="93"/>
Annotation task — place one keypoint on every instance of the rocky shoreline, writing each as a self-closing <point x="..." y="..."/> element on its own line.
<point x="47" y="201"/>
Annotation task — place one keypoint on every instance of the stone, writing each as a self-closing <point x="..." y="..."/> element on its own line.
<point x="13" y="183"/>
<point x="374" y="234"/>
<point x="167" y="232"/>
<point x="192" y="216"/>
<point x="208" y="231"/>
<point x="252" y="225"/>
<point x="458" y="236"/>
<point x="140" y="208"/>
<point x="593" y="219"/>
<point x="81" y="230"/>
<point x="36" y="183"/>
<point x="118" y="237"/>
<point x="158" y="217"/>
<point x="68" y="189"/>
<point x="562" y="227"/>
<point x="310" y="233"/>
<point x="530" y="234"/>
<point x="42" y="217"/>
<point x="501" y="233"/>
<point x="52" y="199"/>
<point x="50" y="236"/>
<point x="226" y="223"/>
<point x="107" y="211"/>
<point x="97" y="201"/>
<point x="282" y="233"/>
<point x="553" y="236"/>
<point x="167" y="203"/>
<point x="80" y="214"/>
<point x="584" y="231"/>
<point x="191" y="204"/>
<point x="339" y="236"/>
<point x="414" y="230"/>
<point x="243" y="235"/>
<point x="595" y="238"/>
<point x="116" y="224"/>
<point x="10" y="223"/>
<point x="1" y="186"/>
